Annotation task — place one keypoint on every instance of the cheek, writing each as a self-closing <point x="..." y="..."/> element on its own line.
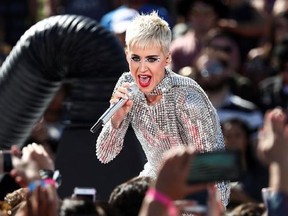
<point x="159" y="72"/>
<point x="133" y="68"/>
<point x="133" y="73"/>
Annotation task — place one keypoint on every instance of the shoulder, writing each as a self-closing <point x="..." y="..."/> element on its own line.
<point x="187" y="89"/>
<point x="185" y="84"/>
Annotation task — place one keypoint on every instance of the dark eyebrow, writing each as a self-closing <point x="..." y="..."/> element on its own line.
<point x="152" y="56"/>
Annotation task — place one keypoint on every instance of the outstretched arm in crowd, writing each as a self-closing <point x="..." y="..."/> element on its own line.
<point x="26" y="166"/>
<point x="273" y="151"/>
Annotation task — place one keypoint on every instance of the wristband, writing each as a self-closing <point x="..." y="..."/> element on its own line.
<point x="7" y="162"/>
<point x="163" y="199"/>
<point x="50" y="174"/>
<point x="42" y="183"/>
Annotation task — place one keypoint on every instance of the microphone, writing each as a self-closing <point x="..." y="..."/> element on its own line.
<point x="111" y="110"/>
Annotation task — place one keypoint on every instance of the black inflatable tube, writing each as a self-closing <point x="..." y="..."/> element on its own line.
<point x="54" y="50"/>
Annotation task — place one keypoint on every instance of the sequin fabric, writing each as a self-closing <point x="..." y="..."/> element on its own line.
<point x="184" y="116"/>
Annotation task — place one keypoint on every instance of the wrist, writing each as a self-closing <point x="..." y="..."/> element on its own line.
<point x="116" y="122"/>
<point x="51" y="174"/>
<point x="154" y="195"/>
<point x="278" y="178"/>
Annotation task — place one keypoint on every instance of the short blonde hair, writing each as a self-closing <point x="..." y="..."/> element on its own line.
<point x="149" y="30"/>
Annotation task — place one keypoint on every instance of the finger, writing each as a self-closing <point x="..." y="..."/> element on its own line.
<point x="29" y="204"/>
<point x="278" y="121"/>
<point x="15" y="150"/>
<point x="113" y="100"/>
<point x="45" y="201"/>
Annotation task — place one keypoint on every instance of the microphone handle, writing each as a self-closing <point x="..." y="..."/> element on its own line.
<point x="107" y="115"/>
<point x="110" y="112"/>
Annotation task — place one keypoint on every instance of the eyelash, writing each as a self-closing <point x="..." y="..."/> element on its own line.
<point x="149" y="59"/>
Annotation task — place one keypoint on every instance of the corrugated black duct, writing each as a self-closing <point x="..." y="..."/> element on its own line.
<point x="56" y="49"/>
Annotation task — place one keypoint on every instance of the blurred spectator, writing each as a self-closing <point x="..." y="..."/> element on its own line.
<point x="120" y="21"/>
<point x="127" y="197"/>
<point x="142" y="6"/>
<point x="247" y="25"/>
<point x="248" y="208"/>
<point x="258" y="64"/>
<point x="219" y="40"/>
<point x="248" y="189"/>
<point x="72" y="207"/>
<point x="280" y="26"/>
<point x="94" y="9"/>
<point x="215" y="77"/>
<point x="202" y="15"/>
<point x="273" y="91"/>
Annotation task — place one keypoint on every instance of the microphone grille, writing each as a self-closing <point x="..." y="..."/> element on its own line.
<point x="133" y="89"/>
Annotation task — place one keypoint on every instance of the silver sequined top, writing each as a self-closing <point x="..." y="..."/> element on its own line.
<point x="184" y="116"/>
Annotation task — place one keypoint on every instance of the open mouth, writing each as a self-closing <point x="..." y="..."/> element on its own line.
<point x="144" y="80"/>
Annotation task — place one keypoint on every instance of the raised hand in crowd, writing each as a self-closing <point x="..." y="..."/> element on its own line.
<point x="34" y="158"/>
<point x="273" y="151"/>
<point x="43" y="200"/>
<point x="171" y="184"/>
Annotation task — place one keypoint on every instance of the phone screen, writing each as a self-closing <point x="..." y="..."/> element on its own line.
<point x="215" y="166"/>
<point x="85" y="193"/>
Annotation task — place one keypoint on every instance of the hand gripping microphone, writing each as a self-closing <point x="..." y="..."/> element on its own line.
<point x="110" y="112"/>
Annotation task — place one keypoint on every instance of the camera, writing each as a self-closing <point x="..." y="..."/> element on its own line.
<point x="85" y="193"/>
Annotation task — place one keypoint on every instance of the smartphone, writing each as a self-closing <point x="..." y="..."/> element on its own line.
<point x="215" y="166"/>
<point x="85" y="193"/>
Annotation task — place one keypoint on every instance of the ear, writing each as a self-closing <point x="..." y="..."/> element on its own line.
<point x="168" y="59"/>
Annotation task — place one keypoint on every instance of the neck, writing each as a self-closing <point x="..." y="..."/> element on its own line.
<point x="153" y="99"/>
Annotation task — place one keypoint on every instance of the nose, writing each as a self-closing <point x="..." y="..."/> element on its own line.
<point x="142" y="66"/>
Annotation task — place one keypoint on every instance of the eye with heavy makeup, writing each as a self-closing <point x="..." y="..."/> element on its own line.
<point x="149" y="59"/>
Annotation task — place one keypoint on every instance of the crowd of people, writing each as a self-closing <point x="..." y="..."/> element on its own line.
<point x="146" y="196"/>
<point x="211" y="75"/>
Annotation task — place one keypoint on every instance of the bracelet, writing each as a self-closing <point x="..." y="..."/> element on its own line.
<point x="163" y="199"/>
<point x="7" y="162"/>
<point x="50" y="174"/>
<point x="42" y="183"/>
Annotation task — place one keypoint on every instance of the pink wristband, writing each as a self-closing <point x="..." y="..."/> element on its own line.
<point x="166" y="201"/>
<point x="50" y="181"/>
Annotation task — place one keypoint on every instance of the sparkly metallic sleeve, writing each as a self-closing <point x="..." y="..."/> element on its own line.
<point x="110" y="140"/>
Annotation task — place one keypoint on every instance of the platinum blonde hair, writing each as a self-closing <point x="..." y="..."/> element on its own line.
<point x="149" y="30"/>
